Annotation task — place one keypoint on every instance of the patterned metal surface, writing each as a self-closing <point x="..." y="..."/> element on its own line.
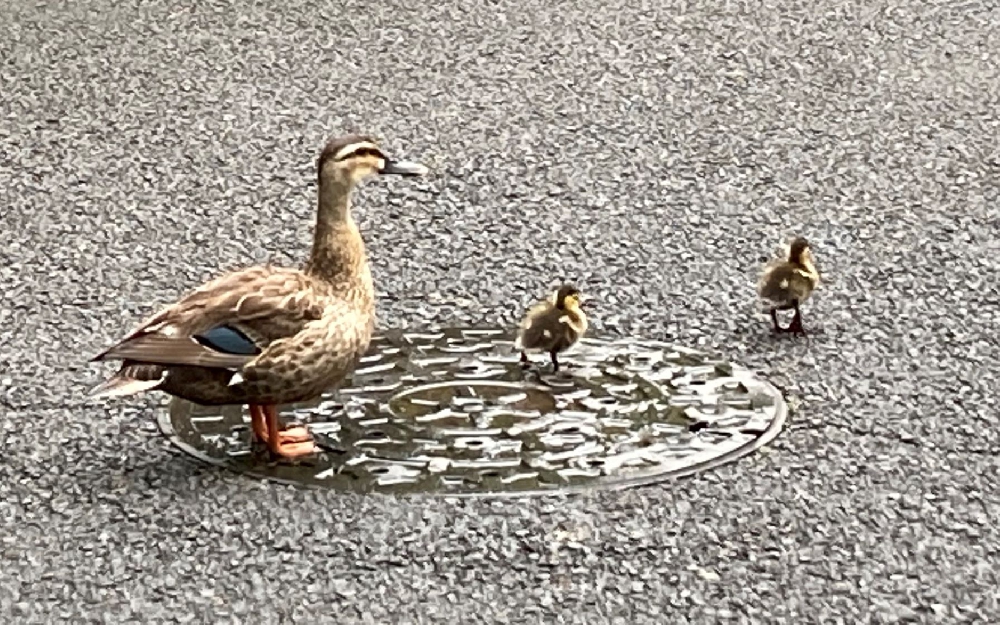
<point x="453" y="413"/>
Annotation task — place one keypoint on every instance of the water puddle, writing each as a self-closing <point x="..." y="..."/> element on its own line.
<point x="453" y="413"/>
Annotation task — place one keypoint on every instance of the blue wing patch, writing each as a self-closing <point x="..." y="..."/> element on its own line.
<point x="228" y="341"/>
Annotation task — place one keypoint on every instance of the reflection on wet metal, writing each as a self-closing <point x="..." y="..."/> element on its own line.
<point x="453" y="413"/>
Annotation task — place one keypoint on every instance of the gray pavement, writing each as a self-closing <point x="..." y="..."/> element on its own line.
<point x="651" y="151"/>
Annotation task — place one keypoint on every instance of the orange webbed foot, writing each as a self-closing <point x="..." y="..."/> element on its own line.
<point x="293" y="451"/>
<point x="293" y="443"/>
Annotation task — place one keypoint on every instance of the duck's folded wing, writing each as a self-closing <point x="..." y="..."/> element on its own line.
<point x="333" y="343"/>
<point x="156" y="348"/>
<point x="225" y="323"/>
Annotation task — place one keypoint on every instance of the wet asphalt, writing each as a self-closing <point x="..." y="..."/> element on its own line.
<point x="653" y="152"/>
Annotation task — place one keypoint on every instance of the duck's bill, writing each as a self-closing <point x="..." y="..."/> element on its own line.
<point x="403" y="168"/>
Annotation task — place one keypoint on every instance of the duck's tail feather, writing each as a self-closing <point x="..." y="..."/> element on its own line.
<point x="174" y="350"/>
<point x="130" y="380"/>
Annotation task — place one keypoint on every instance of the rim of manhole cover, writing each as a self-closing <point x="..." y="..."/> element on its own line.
<point x="451" y="412"/>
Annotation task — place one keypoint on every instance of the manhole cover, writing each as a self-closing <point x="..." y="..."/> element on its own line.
<point x="453" y="413"/>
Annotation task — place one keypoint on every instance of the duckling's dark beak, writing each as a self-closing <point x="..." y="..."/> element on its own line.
<point x="403" y="168"/>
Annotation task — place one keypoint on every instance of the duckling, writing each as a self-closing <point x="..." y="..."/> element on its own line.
<point x="264" y="335"/>
<point x="552" y="325"/>
<point x="786" y="283"/>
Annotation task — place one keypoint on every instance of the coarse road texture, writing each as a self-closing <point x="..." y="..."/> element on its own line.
<point x="653" y="152"/>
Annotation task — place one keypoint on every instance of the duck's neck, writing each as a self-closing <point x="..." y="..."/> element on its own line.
<point x="338" y="253"/>
<point x="576" y="319"/>
<point x="809" y="268"/>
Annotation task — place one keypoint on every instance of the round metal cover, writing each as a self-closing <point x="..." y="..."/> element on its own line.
<point x="452" y="412"/>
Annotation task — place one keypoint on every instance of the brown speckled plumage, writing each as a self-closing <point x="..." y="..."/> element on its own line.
<point x="309" y="333"/>
<point x="302" y="330"/>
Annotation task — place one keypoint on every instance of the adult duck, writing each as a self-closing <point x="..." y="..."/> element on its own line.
<point x="265" y="336"/>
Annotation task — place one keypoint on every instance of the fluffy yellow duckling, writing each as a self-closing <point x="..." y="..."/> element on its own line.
<point x="552" y="325"/>
<point x="788" y="282"/>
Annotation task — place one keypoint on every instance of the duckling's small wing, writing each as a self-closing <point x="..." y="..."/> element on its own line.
<point x="539" y="331"/>
<point x="769" y="284"/>
<point x="534" y="313"/>
<point x="783" y="283"/>
<point x="529" y="336"/>
<point x="767" y="273"/>
<point x="528" y="331"/>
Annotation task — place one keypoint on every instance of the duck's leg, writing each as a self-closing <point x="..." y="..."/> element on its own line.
<point x="524" y="360"/>
<point x="258" y="422"/>
<point x="795" y="326"/>
<point x="281" y="446"/>
<point x="774" y="321"/>
<point x="555" y="361"/>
